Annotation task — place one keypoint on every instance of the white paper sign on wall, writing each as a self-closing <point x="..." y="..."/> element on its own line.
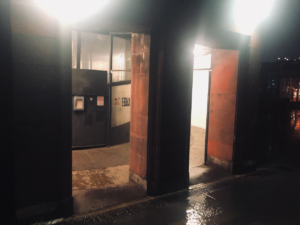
<point x="100" y="100"/>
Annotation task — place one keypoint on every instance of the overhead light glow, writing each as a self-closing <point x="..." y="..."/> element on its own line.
<point x="248" y="13"/>
<point x="70" y="11"/>
<point x="200" y="50"/>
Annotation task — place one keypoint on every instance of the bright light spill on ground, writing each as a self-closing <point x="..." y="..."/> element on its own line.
<point x="70" y="11"/>
<point x="248" y="13"/>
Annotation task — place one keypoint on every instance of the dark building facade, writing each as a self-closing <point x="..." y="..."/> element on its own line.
<point x="279" y="98"/>
<point x="36" y="90"/>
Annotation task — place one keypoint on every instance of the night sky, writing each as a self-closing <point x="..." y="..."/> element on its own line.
<point x="281" y="31"/>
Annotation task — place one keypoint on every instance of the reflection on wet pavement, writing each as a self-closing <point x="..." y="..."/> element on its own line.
<point x="273" y="199"/>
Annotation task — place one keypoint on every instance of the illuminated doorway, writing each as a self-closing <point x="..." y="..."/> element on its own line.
<point x="199" y="112"/>
<point x="101" y="83"/>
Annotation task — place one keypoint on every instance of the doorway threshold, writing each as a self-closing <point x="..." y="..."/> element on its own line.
<point x="207" y="174"/>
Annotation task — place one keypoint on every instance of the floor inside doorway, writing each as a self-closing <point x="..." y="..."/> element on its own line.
<point x="200" y="173"/>
<point x="100" y="178"/>
<point x="101" y="175"/>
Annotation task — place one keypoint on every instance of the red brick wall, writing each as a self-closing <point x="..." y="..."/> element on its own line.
<point x="222" y="104"/>
<point x="140" y="50"/>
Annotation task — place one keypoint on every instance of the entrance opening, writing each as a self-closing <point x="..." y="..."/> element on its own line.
<point x="210" y="128"/>
<point x="101" y="89"/>
<point x="199" y="112"/>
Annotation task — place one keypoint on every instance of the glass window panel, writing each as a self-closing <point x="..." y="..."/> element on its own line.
<point x="74" y="49"/>
<point x="94" y="51"/>
<point x="118" y="76"/>
<point x="121" y="57"/>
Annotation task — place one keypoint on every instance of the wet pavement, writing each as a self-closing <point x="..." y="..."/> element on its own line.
<point x="89" y="200"/>
<point x="268" y="196"/>
<point x="100" y="178"/>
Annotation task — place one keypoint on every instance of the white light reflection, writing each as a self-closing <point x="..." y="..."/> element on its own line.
<point x="70" y="11"/>
<point x="193" y="218"/>
<point x="248" y="13"/>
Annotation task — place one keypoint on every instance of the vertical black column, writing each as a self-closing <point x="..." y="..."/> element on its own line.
<point x="65" y="113"/>
<point x="170" y="91"/>
<point x="7" y="189"/>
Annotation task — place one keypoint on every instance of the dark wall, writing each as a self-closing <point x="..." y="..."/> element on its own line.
<point x="171" y="69"/>
<point x="246" y="110"/>
<point x="41" y="72"/>
<point x="7" y="202"/>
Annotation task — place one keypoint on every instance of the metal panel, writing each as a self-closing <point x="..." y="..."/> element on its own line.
<point x="89" y="82"/>
<point x="89" y="126"/>
<point x="119" y="134"/>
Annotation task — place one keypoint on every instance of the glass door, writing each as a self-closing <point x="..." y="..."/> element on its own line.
<point x="120" y="88"/>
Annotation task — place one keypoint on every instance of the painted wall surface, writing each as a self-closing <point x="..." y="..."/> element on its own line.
<point x="222" y="104"/>
<point x="139" y="109"/>
<point x="199" y="98"/>
<point x="120" y="114"/>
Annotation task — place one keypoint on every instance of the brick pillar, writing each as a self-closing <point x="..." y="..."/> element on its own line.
<point x="140" y="50"/>
<point x="222" y="109"/>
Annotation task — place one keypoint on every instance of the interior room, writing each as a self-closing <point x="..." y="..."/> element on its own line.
<point x="101" y="88"/>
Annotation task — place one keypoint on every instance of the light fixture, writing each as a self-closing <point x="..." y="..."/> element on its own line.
<point x="248" y="13"/>
<point x="70" y="11"/>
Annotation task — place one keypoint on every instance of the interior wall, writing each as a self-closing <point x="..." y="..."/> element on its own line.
<point x="120" y="114"/>
<point x="199" y="98"/>
<point x="41" y="71"/>
<point x="222" y="107"/>
<point x="140" y="50"/>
